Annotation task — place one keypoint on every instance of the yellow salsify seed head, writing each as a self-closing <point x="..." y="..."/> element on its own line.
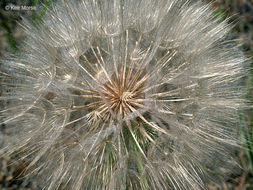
<point x="124" y="94"/>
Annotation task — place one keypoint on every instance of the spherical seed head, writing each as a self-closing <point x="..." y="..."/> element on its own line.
<point x="133" y="94"/>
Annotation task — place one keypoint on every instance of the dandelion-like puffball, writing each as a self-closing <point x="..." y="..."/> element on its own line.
<point x="123" y="94"/>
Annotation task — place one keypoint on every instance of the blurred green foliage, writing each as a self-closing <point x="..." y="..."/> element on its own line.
<point x="10" y="18"/>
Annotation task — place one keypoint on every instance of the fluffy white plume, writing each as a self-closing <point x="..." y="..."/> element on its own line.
<point x="124" y="94"/>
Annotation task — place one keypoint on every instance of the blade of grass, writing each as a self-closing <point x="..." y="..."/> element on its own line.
<point x="248" y="137"/>
<point x="37" y="17"/>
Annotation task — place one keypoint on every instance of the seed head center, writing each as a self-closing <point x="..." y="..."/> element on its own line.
<point x="120" y="99"/>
